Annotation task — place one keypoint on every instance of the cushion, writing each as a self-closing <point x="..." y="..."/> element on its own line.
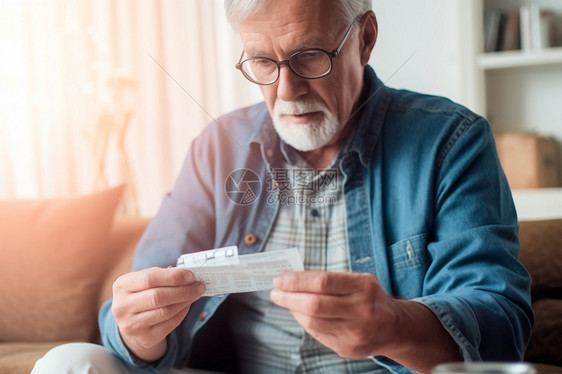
<point x="19" y="358"/>
<point x="125" y="234"/>
<point x="546" y="369"/>
<point x="541" y="253"/>
<point x="52" y="260"/>
<point x="546" y="339"/>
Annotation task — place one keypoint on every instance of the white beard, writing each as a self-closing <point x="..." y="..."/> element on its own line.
<point x="305" y="136"/>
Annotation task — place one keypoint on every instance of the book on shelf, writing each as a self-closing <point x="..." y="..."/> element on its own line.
<point x="501" y="31"/>
<point x="493" y="27"/>
<point x="530" y="28"/>
<point x="525" y="28"/>
<point x="511" y="35"/>
<point x="537" y="27"/>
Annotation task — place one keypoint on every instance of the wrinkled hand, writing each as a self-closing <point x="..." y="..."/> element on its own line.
<point x="348" y="312"/>
<point x="149" y="304"/>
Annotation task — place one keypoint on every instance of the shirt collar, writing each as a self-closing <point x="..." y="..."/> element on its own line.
<point x="371" y="114"/>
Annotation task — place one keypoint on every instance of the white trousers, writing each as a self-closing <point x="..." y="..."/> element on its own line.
<point x="87" y="358"/>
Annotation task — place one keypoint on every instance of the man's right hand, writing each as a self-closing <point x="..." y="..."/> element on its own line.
<point x="149" y="304"/>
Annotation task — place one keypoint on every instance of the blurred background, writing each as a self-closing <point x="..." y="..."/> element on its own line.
<point x="98" y="93"/>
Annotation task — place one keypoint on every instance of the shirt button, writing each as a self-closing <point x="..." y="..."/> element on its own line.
<point x="314" y="213"/>
<point x="202" y="316"/>
<point x="250" y="239"/>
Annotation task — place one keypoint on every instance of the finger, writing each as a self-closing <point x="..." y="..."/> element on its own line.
<point x="319" y="326"/>
<point x="155" y="317"/>
<point x="346" y="338"/>
<point x="147" y="335"/>
<point x="164" y="328"/>
<point x="156" y="298"/>
<point x="152" y="278"/>
<point x="314" y="305"/>
<point x="334" y="283"/>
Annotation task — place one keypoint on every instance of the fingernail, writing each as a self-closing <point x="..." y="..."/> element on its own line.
<point x="201" y="288"/>
<point x="274" y="294"/>
<point x="278" y="281"/>
<point x="189" y="278"/>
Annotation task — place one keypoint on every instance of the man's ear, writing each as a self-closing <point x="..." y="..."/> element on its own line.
<point x="368" y="35"/>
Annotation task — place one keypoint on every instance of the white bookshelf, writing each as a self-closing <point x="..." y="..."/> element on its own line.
<point x="517" y="90"/>
<point x="512" y="59"/>
<point x="520" y="91"/>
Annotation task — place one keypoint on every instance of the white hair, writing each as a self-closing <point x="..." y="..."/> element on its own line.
<point x="239" y="10"/>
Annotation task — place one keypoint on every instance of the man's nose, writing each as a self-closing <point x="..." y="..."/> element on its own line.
<point x="289" y="85"/>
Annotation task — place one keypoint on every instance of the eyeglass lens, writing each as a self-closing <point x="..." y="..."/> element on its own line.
<point x="311" y="63"/>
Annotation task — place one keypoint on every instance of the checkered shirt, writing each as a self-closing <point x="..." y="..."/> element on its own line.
<point x="312" y="218"/>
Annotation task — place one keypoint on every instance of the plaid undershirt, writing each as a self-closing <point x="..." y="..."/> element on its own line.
<point x="312" y="218"/>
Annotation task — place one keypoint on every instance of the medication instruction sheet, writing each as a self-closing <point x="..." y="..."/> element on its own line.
<point x="223" y="271"/>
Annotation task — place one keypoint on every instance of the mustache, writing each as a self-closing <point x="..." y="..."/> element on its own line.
<point x="299" y="107"/>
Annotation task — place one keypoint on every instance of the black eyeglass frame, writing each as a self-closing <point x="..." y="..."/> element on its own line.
<point x="331" y="56"/>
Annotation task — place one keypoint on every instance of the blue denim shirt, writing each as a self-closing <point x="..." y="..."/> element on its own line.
<point x="429" y="212"/>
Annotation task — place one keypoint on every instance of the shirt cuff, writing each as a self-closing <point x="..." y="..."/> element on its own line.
<point x="446" y="313"/>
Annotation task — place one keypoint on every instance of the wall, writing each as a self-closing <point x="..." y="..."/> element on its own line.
<point x="424" y="48"/>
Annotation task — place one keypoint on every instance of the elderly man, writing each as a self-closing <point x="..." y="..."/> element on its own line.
<point x="410" y="250"/>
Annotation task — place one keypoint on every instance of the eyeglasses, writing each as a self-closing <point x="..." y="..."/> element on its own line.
<point x="309" y="63"/>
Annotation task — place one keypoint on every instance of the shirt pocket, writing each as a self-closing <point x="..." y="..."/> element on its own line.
<point x="408" y="265"/>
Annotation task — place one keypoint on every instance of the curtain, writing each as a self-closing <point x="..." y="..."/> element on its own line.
<point x="95" y="93"/>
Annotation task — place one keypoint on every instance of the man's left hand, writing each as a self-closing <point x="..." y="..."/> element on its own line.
<point x="347" y="312"/>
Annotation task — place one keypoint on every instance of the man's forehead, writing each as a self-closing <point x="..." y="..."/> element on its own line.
<point x="259" y="33"/>
<point x="263" y="46"/>
<point x="321" y="15"/>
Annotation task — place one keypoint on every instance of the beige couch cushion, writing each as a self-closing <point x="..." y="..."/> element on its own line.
<point x="52" y="265"/>
<point x="125" y="235"/>
<point x="19" y="358"/>
<point x="541" y="253"/>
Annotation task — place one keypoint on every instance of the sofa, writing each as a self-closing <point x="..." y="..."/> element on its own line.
<point x="541" y="253"/>
<point x="59" y="258"/>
